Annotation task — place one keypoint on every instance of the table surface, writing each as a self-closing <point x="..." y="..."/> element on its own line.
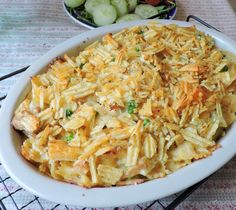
<point x="29" y="28"/>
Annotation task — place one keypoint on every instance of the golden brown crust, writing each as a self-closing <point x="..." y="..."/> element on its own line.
<point x="129" y="109"/>
<point x="59" y="150"/>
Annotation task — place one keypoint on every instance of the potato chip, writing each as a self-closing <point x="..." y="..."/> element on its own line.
<point x="60" y="150"/>
<point x="109" y="175"/>
<point x="149" y="146"/>
<point x="93" y="171"/>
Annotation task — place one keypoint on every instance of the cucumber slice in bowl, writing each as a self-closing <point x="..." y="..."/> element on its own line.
<point x="121" y="7"/>
<point x="74" y="3"/>
<point x="90" y="5"/>
<point x="132" y="4"/>
<point x="81" y="15"/>
<point x="128" y="17"/>
<point x="104" y="14"/>
<point x="146" y="10"/>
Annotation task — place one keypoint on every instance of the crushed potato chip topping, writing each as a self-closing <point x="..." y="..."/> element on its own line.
<point x="130" y="107"/>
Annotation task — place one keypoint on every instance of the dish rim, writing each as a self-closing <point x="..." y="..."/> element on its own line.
<point x="29" y="178"/>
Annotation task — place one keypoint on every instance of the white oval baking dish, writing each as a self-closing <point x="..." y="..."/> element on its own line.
<point x="29" y="178"/>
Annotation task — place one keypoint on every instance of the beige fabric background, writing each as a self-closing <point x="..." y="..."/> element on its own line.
<point x="219" y="13"/>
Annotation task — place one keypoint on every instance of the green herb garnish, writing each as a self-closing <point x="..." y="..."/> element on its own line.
<point x="113" y="59"/>
<point x="141" y="32"/>
<point x="68" y="112"/>
<point x="81" y="65"/>
<point x="69" y="137"/>
<point x="137" y="49"/>
<point x="146" y="122"/>
<point x="131" y="105"/>
<point x="224" y="69"/>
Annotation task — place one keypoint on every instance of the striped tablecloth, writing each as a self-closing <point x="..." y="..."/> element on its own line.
<point x="29" y="28"/>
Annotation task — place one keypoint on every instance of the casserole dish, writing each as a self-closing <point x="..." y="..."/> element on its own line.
<point x="27" y="176"/>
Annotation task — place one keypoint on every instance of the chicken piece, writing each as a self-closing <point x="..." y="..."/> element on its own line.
<point x="26" y="122"/>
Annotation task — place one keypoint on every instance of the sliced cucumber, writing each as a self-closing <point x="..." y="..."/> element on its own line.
<point x="145" y="10"/>
<point x="121" y="7"/>
<point x="104" y="14"/>
<point x="132" y="4"/>
<point x="128" y="17"/>
<point x="91" y="4"/>
<point x="74" y="3"/>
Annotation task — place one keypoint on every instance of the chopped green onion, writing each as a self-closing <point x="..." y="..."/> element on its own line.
<point x="68" y="112"/>
<point x="81" y="65"/>
<point x="113" y="59"/>
<point x="141" y="32"/>
<point x="69" y="137"/>
<point x="130" y="110"/>
<point x="224" y="69"/>
<point x="137" y="49"/>
<point x="131" y="105"/>
<point x="146" y="122"/>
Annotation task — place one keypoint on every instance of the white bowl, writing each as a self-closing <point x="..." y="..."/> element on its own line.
<point x="81" y="22"/>
<point x="29" y="178"/>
